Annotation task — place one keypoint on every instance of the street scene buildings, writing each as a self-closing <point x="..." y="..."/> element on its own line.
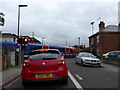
<point x="54" y="43"/>
<point x="105" y="40"/>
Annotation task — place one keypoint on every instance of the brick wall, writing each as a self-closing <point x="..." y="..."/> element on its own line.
<point x="109" y="42"/>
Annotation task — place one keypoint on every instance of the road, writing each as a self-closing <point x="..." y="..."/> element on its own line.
<point x="105" y="77"/>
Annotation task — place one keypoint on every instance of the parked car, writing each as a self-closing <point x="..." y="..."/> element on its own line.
<point x="44" y="65"/>
<point x="112" y="54"/>
<point x="85" y="58"/>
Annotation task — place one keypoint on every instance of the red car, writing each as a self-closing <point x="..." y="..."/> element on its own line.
<point x="44" y="65"/>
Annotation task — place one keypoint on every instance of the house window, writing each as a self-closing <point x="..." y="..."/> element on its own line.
<point x="98" y="52"/>
<point x="91" y="40"/>
<point x="97" y="38"/>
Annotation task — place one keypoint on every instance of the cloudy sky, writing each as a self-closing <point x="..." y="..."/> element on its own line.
<point x="58" y="21"/>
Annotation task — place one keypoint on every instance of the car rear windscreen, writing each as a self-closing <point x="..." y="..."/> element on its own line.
<point x="44" y="51"/>
<point x="44" y="56"/>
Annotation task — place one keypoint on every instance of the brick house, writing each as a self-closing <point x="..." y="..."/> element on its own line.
<point x="105" y="40"/>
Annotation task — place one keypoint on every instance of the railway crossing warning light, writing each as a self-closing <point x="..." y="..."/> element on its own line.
<point x="82" y="46"/>
<point x="23" y="41"/>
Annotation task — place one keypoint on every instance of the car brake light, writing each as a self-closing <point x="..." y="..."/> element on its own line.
<point x="61" y="62"/>
<point x="25" y="64"/>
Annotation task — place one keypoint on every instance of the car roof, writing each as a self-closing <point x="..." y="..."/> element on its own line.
<point x="85" y="53"/>
<point x="115" y="51"/>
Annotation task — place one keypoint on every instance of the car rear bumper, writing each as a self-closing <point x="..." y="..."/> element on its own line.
<point x="44" y="80"/>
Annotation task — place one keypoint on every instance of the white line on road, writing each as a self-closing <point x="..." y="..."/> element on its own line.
<point x="78" y="77"/>
<point x="11" y="83"/>
<point x="75" y="82"/>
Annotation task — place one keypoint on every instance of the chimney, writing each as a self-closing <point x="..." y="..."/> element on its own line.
<point x="101" y="25"/>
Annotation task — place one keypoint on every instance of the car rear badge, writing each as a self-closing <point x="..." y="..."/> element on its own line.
<point x="43" y="63"/>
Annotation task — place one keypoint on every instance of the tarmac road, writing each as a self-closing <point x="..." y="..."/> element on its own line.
<point x="93" y="78"/>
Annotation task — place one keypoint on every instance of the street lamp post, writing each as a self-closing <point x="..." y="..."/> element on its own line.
<point x="66" y="43"/>
<point x="79" y="41"/>
<point x="92" y="27"/>
<point x="19" y="16"/>
<point x="42" y="40"/>
<point x="19" y="53"/>
<point x="78" y="44"/>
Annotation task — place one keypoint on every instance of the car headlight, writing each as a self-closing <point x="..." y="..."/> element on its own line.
<point x="98" y="61"/>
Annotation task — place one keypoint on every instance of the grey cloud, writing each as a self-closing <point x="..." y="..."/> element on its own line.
<point x="59" y="21"/>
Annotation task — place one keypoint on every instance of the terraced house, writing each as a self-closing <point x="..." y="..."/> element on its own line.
<point x="105" y="40"/>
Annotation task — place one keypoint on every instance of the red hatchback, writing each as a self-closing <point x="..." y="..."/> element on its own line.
<point x="44" y="65"/>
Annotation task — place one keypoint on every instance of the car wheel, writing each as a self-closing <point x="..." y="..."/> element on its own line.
<point x="76" y="61"/>
<point x="100" y="65"/>
<point x="24" y="83"/>
<point x="82" y="64"/>
<point x="64" y="81"/>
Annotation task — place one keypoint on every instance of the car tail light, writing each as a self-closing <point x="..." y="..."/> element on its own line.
<point x="61" y="63"/>
<point x="25" y="64"/>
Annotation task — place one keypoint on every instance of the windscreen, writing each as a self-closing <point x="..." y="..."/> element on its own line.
<point x="87" y="55"/>
<point x="44" y="56"/>
<point x="44" y="51"/>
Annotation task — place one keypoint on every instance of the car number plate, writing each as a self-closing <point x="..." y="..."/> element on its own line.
<point x="43" y="75"/>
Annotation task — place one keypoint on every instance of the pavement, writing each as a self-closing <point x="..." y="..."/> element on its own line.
<point x="9" y="75"/>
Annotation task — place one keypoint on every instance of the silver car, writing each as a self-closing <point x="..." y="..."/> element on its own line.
<point x="112" y="54"/>
<point x="85" y="58"/>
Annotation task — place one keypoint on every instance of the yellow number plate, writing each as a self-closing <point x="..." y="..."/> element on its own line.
<point x="43" y="75"/>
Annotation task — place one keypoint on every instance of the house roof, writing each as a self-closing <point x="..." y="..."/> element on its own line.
<point x="32" y="39"/>
<point x="9" y="34"/>
<point x="111" y="28"/>
<point x="108" y="29"/>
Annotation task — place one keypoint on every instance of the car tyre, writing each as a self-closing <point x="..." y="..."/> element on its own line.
<point x="24" y="83"/>
<point x="76" y="62"/>
<point x="64" y="81"/>
<point x="100" y="65"/>
<point x="82" y="64"/>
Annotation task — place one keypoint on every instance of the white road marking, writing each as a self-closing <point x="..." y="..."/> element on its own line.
<point x="75" y="82"/>
<point x="78" y="77"/>
<point x="12" y="82"/>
